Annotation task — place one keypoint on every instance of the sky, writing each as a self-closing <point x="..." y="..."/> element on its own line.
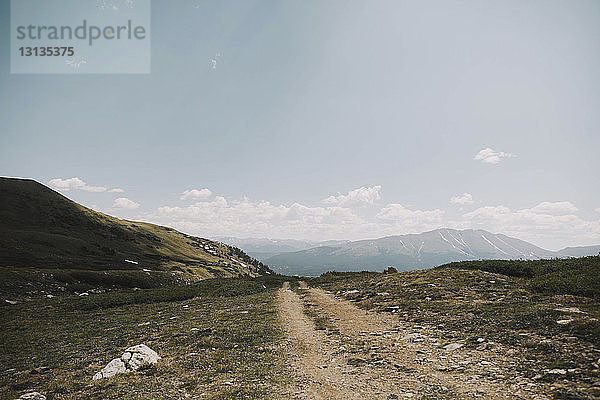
<point x="330" y="119"/>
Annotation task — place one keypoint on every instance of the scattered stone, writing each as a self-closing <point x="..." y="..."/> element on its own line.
<point x="412" y="336"/>
<point x="480" y="340"/>
<point x="452" y="346"/>
<point x="564" y="321"/>
<point x="133" y="358"/>
<point x="352" y="291"/>
<point x="391" y="309"/>
<point x="558" y="371"/>
<point x="32" y="396"/>
<point x="574" y="310"/>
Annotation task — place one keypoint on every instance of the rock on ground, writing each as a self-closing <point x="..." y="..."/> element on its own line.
<point x="131" y="360"/>
<point x="452" y="346"/>
<point x="32" y="396"/>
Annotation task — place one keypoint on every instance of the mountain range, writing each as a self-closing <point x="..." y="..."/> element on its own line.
<point x="405" y="252"/>
<point x="40" y="228"/>
<point x="263" y="248"/>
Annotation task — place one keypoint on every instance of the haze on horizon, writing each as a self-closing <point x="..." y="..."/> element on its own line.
<point x="330" y="120"/>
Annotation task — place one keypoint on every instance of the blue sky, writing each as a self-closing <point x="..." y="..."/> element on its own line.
<point x="330" y="120"/>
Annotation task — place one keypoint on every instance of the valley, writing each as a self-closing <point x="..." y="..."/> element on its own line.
<point x="452" y="332"/>
<point x="78" y="288"/>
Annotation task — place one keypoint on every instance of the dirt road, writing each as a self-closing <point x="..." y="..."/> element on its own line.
<point x="367" y="355"/>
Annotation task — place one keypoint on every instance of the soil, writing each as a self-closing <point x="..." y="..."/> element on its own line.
<point x="368" y="355"/>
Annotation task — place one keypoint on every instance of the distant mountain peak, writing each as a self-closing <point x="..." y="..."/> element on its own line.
<point x="410" y="251"/>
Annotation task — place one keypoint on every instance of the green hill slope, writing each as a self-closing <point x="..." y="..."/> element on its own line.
<point x="41" y="229"/>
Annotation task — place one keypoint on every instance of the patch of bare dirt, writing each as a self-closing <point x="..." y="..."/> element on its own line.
<point x="368" y="355"/>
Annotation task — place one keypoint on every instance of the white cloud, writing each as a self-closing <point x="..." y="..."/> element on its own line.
<point x="597" y="210"/>
<point x="549" y="224"/>
<point x="557" y="208"/>
<point x="489" y="156"/>
<point x="196" y="194"/>
<point x="74" y="184"/>
<point x="463" y="199"/>
<point x="259" y="218"/>
<point x="125" y="204"/>
<point x="116" y="190"/>
<point x="362" y="195"/>
<point x="544" y="223"/>
<point x="411" y="220"/>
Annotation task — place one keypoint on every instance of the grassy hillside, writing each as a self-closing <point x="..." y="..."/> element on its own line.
<point x="575" y="276"/>
<point x="42" y="229"/>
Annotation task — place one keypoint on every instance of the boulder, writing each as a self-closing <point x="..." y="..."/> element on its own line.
<point x="113" y="368"/>
<point x="131" y="360"/>
<point x="452" y="346"/>
<point x="32" y="396"/>
<point x="136" y="356"/>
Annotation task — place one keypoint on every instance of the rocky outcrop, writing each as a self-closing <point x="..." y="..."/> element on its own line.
<point x="131" y="360"/>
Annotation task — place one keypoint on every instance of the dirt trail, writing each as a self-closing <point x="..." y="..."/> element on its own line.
<point x="367" y="355"/>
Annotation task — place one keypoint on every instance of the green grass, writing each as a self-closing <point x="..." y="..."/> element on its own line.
<point x="231" y="355"/>
<point x="576" y="276"/>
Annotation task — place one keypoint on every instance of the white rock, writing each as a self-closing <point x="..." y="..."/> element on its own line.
<point x="131" y="360"/>
<point x="11" y="302"/>
<point x="32" y="396"/>
<point x="113" y="368"/>
<point x="84" y="294"/>
<point x="564" y="321"/>
<point x="140" y="355"/>
<point x="412" y="336"/>
<point x="452" y="346"/>
<point x="570" y="310"/>
<point x="558" y="371"/>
